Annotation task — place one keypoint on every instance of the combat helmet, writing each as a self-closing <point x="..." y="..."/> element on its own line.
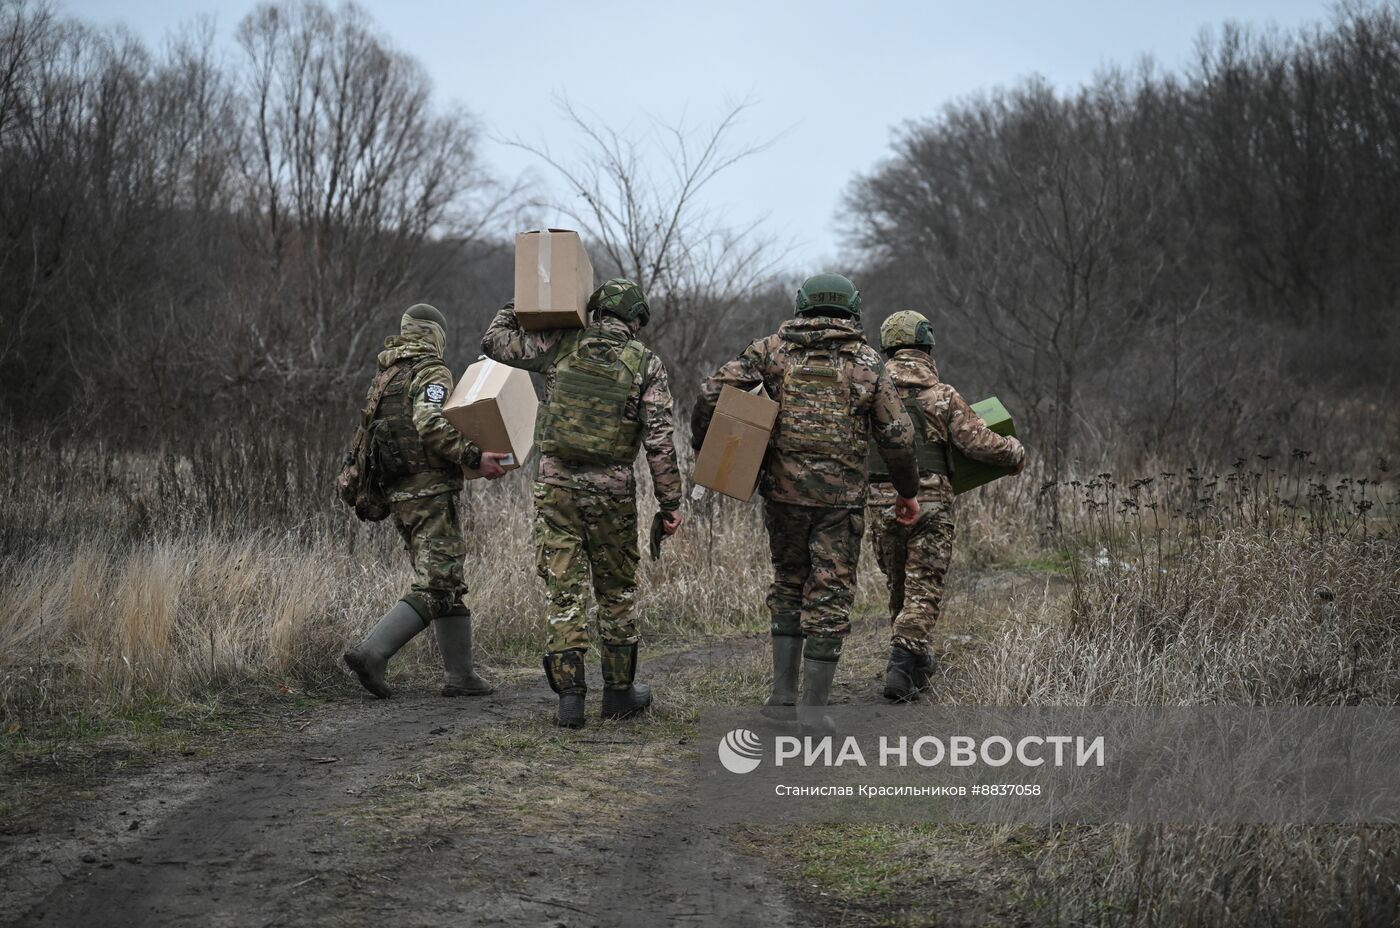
<point x="622" y="298"/>
<point x="829" y="292"/>
<point x="906" y="329"/>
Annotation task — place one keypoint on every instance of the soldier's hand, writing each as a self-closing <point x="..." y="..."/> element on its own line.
<point x="906" y="510"/>
<point x="491" y="464"/>
<point x="1021" y="463"/>
<point x="670" y="522"/>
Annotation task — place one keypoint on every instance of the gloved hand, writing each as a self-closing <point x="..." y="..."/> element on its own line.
<point x="663" y="525"/>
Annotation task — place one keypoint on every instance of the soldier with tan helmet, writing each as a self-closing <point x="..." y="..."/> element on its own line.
<point x="836" y="401"/>
<point x="914" y="558"/>
<point x="607" y="396"/>
<point x="415" y="458"/>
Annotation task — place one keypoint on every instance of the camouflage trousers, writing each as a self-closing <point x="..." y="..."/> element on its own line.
<point x="816" y="550"/>
<point x="432" y="531"/>
<point x="581" y="536"/>
<point x="915" y="562"/>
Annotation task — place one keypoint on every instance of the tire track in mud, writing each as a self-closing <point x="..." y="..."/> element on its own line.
<point x="261" y="838"/>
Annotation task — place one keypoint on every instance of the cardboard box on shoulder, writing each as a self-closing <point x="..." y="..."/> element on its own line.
<point x="734" y="447"/>
<point x="553" y="280"/>
<point x="969" y="474"/>
<point x="495" y="406"/>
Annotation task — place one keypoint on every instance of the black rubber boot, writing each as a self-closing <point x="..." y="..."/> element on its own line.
<point x="370" y="658"/>
<point x="907" y="674"/>
<point x="787" y="661"/>
<point x="621" y="697"/>
<point x="817" y="678"/>
<point x="454" y="638"/>
<point x="564" y="671"/>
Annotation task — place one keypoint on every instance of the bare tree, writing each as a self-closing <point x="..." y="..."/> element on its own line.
<point x="348" y="170"/>
<point x="648" y="219"/>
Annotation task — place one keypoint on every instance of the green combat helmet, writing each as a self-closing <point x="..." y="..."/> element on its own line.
<point x="828" y="292"/>
<point x="621" y="298"/>
<point x="906" y="329"/>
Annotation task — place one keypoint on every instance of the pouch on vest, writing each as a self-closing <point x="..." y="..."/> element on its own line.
<point x="585" y="420"/>
<point x="817" y="418"/>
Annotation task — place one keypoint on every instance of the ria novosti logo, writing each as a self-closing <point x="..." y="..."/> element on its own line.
<point x="740" y="751"/>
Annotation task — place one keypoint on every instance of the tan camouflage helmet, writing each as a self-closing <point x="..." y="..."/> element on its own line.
<point x="622" y="298"/>
<point x="906" y="329"/>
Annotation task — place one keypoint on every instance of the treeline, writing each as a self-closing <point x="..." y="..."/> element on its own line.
<point x="1205" y="263"/>
<point x="1192" y="266"/>
<point x="185" y="236"/>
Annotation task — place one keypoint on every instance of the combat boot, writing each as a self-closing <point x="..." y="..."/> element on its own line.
<point x="907" y="674"/>
<point x="787" y="661"/>
<point x="454" y="638"/>
<point x="370" y="658"/>
<point x="564" y="671"/>
<point x="621" y="697"/>
<point x="817" y="677"/>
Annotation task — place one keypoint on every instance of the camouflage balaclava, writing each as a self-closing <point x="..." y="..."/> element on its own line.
<point x="422" y="321"/>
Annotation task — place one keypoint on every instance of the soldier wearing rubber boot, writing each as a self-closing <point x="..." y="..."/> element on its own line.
<point x="416" y="457"/>
<point x="836" y="401"/>
<point x="606" y="397"/>
<point x="914" y="558"/>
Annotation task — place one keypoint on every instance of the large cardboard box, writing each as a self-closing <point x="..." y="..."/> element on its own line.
<point x="495" y="406"/>
<point x="969" y="474"/>
<point x="553" y="280"/>
<point x="734" y="447"/>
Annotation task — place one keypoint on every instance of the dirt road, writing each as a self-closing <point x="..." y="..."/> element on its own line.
<point x="306" y="830"/>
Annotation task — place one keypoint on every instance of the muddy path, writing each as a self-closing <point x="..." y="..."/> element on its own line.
<point x="277" y="835"/>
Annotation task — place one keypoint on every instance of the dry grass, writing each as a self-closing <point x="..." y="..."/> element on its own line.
<point x="127" y="579"/>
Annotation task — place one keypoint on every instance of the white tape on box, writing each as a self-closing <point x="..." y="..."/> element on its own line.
<point x="543" y="268"/>
<point x="480" y="382"/>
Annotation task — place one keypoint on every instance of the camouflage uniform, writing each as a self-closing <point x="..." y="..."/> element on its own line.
<point x="586" y="514"/>
<point x="814" y="490"/>
<point x="915" y="558"/>
<point x="424" y="504"/>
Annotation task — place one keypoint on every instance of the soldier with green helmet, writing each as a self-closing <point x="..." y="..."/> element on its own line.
<point x="914" y="558"/>
<point x="416" y="459"/>
<point x="607" y="396"/>
<point x="836" y="402"/>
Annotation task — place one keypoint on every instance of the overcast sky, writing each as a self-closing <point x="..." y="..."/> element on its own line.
<point x="829" y="80"/>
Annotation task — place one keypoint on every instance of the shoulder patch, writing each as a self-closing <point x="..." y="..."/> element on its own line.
<point x="436" y="393"/>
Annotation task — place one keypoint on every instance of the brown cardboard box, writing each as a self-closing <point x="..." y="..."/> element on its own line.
<point x="730" y="458"/>
<point x="553" y="280"/>
<point x="495" y="406"/>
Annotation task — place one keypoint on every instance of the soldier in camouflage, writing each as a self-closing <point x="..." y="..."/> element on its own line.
<point x="416" y="456"/>
<point x="914" y="558"/>
<point x="835" y="398"/>
<point x="606" y="396"/>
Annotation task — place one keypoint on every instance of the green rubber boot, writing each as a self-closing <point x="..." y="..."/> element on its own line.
<point x="370" y="658"/>
<point x="787" y="661"/>
<point x="622" y="698"/>
<point x="564" y="671"/>
<point x="454" y="638"/>
<point x="817" y="678"/>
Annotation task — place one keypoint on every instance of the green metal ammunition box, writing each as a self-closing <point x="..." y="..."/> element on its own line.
<point x="969" y="474"/>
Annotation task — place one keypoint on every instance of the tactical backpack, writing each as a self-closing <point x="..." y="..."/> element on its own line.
<point x="355" y="484"/>
<point x="932" y="456"/>
<point x="585" y="419"/>
<point x="817" y="418"/>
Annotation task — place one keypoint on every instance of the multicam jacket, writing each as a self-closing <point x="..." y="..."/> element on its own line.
<point x="431" y="385"/>
<point x="817" y="456"/>
<point x="947" y="418"/>
<point x="505" y="341"/>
